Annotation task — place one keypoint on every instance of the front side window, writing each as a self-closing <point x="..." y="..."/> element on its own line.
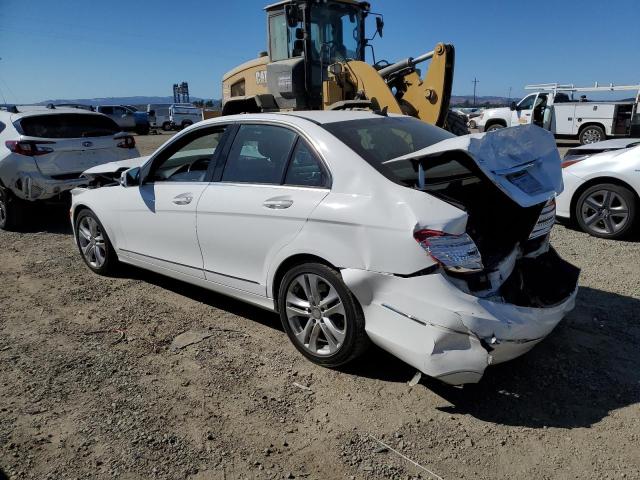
<point x="190" y="162"/>
<point x="106" y="110"/>
<point x="259" y="154"/>
<point x="527" y="102"/>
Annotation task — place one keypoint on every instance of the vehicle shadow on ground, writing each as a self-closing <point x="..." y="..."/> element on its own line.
<point x="202" y="295"/>
<point x="585" y="369"/>
<point x="632" y="237"/>
<point x="48" y="219"/>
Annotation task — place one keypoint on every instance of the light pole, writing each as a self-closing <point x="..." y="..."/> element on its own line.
<point x="475" y="82"/>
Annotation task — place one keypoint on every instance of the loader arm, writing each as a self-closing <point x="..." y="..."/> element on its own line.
<point x="426" y="99"/>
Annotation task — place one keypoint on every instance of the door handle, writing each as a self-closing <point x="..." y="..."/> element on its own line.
<point x="278" y="204"/>
<point x="183" y="199"/>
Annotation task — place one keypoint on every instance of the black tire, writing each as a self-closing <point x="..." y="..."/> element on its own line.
<point x="352" y="323"/>
<point x="143" y="131"/>
<point x="591" y="134"/>
<point x="13" y="211"/>
<point x="456" y="123"/>
<point x="493" y="127"/>
<point x="167" y="127"/>
<point x="605" y="218"/>
<point x="110" y="262"/>
<point x="186" y="123"/>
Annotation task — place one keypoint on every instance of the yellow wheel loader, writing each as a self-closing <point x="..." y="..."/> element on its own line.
<point x="316" y="61"/>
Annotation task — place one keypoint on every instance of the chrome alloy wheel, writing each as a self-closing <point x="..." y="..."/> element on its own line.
<point x="316" y="314"/>
<point x="592" y="135"/>
<point x="91" y="240"/>
<point x="605" y="212"/>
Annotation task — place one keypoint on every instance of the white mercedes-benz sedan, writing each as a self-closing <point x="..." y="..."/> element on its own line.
<point x="354" y="226"/>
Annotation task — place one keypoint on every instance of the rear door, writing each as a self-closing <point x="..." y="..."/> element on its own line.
<point x="271" y="182"/>
<point x="76" y="142"/>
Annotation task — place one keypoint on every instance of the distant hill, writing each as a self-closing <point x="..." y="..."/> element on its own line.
<point x="467" y="101"/>
<point x="138" y="100"/>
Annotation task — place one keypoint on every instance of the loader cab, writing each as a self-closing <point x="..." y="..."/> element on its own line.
<point x="305" y="37"/>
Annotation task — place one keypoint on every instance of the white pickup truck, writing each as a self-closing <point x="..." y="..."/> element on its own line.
<point x="553" y="108"/>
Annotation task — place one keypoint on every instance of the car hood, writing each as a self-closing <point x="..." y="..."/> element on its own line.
<point x="502" y="111"/>
<point x="115" y="167"/>
<point x="523" y="162"/>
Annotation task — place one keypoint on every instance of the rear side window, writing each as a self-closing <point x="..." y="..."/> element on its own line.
<point x="305" y="169"/>
<point x="67" y="125"/>
<point x="2" y="127"/>
<point x="259" y="154"/>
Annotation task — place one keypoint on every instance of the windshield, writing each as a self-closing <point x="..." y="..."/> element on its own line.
<point x="377" y="140"/>
<point x="335" y="32"/>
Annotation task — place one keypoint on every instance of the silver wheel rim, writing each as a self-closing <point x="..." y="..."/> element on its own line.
<point x="591" y="135"/>
<point x="605" y="212"/>
<point x="91" y="240"/>
<point x="316" y="314"/>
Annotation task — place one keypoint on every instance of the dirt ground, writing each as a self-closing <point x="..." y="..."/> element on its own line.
<point x="90" y="387"/>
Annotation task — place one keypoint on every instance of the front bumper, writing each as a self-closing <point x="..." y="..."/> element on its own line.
<point x="443" y="332"/>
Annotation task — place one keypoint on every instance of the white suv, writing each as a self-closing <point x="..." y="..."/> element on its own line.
<point x="43" y="151"/>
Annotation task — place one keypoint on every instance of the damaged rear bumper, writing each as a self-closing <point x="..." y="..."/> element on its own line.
<point x="444" y="332"/>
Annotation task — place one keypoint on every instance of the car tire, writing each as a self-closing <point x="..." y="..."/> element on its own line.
<point x="493" y="127"/>
<point x="13" y="211"/>
<point x="456" y="123"/>
<point x="591" y="134"/>
<point x="186" y="124"/>
<point x="94" y="244"/>
<point x="167" y="127"/>
<point x="327" y="339"/>
<point x="143" y="131"/>
<point x="600" y="211"/>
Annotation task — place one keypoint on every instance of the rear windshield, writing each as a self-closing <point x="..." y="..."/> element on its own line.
<point x="377" y="140"/>
<point x="67" y="125"/>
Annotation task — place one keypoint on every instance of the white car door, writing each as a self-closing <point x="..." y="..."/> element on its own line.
<point x="271" y="182"/>
<point x="523" y="113"/>
<point x="158" y="217"/>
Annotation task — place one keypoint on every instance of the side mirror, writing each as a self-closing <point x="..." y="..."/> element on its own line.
<point x="130" y="178"/>
<point x="379" y="25"/>
<point x="513" y="106"/>
<point x="293" y="15"/>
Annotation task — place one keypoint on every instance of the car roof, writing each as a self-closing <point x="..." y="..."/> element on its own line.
<point x="319" y="117"/>
<point x="32" y="110"/>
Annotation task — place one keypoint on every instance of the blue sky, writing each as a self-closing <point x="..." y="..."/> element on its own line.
<point x="85" y="49"/>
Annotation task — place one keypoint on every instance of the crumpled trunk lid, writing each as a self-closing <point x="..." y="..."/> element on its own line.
<point x="523" y="162"/>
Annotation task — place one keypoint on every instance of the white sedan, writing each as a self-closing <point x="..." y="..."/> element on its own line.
<point x="602" y="187"/>
<point x="354" y="226"/>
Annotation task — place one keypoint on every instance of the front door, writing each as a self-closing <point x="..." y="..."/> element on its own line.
<point x="158" y="218"/>
<point x="271" y="182"/>
<point x="523" y="114"/>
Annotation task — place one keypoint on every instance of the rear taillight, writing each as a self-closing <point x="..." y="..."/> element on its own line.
<point x="126" y="142"/>
<point x="28" y="147"/>
<point x="457" y="253"/>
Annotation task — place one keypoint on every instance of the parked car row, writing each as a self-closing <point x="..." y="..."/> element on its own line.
<point x="173" y="116"/>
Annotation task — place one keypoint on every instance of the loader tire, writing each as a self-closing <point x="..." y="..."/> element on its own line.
<point x="456" y="124"/>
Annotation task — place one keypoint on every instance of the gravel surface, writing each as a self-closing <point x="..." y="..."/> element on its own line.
<point x="138" y="376"/>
